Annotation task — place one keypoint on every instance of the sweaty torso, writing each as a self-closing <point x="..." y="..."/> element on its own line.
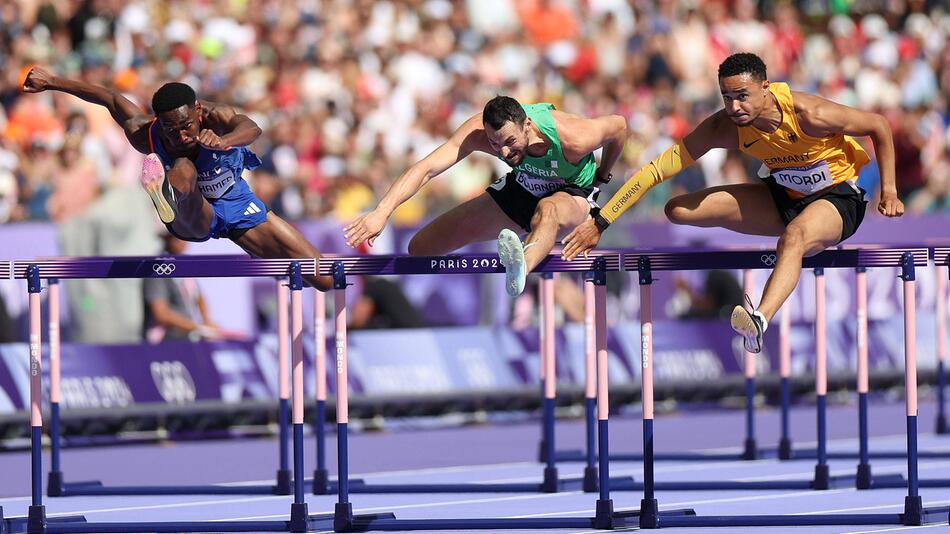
<point x="799" y="162"/>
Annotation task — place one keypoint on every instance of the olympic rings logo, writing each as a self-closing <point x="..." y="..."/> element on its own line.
<point x="768" y="259"/>
<point x="163" y="269"/>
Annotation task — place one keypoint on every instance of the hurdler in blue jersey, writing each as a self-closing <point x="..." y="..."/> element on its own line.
<point x="552" y="184"/>
<point x="193" y="172"/>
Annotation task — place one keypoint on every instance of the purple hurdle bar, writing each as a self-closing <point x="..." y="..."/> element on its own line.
<point x="57" y="487"/>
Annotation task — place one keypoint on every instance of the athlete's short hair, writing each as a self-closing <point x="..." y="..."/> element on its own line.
<point x="171" y="96"/>
<point x="502" y="109"/>
<point x="743" y="63"/>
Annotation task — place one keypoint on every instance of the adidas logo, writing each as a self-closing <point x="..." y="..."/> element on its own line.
<point x="252" y="209"/>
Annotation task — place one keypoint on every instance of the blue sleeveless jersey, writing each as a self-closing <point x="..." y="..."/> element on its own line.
<point x="220" y="182"/>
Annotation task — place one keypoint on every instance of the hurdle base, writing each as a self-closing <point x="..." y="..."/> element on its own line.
<point x="299" y="517"/>
<point x="863" y="478"/>
<point x="550" y="483"/>
<point x="750" y="451"/>
<point x="785" y="449"/>
<point x="604" y="514"/>
<point x="913" y="511"/>
<point x="649" y="513"/>
<point x="321" y="482"/>
<point x="20" y="525"/>
<point x="941" y="424"/>
<point x="283" y="486"/>
<point x="822" y="479"/>
<point x="590" y="479"/>
<point x="343" y="517"/>
<point x="55" y="486"/>
<point x="36" y="519"/>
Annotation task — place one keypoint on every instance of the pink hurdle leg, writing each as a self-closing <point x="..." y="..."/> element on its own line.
<point x="54" y="482"/>
<point x="550" y="483"/>
<point x="785" y="372"/>
<point x="320" y="475"/>
<point x="913" y="505"/>
<point x="822" y="472"/>
<point x="298" y="510"/>
<point x="649" y="514"/>
<point x="604" y="507"/>
<point x="863" y="479"/>
<point x="590" y="384"/>
<point x="941" y="352"/>
<point x="37" y="512"/>
<point x="750" y="448"/>
<point x="343" y="510"/>
<point x="283" y="384"/>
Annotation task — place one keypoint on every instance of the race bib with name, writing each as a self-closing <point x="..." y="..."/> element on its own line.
<point x="215" y="182"/>
<point x="805" y="180"/>
<point x="539" y="187"/>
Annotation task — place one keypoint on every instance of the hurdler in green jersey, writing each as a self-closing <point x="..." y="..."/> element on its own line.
<point x="551" y="186"/>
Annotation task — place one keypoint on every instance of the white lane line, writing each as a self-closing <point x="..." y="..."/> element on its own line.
<point x="878" y="507"/>
<point x="896" y="528"/>
<point x="171" y="505"/>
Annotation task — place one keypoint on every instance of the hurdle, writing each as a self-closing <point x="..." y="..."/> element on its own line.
<point x="603" y="514"/>
<point x="785" y="451"/>
<point x="551" y="482"/>
<point x="191" y="267"/>
<point x="58" y="487"/>
<point x="914" y="513"/>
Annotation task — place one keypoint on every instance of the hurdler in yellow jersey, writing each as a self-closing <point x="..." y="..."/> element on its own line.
<point x="806" y="197"/>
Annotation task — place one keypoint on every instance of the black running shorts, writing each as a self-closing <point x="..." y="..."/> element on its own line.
<point x="519" y="205"/>
<point x="846" y="197"/>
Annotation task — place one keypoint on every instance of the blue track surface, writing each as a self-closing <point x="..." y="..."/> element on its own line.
<point x="497" y="453"/>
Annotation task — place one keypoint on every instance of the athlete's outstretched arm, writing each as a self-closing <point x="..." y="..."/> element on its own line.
<point x="717" y="131"/>
<point x="126" y="114"/>
<point x="469" y="137"/>
<point x="820" y="117"/>
<point x="227" y="128"/>
<point x="582" y="136"/>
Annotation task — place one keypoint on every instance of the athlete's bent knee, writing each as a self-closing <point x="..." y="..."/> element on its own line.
<point x="792" y="239"/>
<point x="418" y="245"/>
<point x="676" y="211"/>
<point x="546" y="211"/>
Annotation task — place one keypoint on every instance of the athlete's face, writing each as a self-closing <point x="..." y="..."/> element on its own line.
<point x="180" y="127"/>
<point x="510" y="141"/>
<point x="744" y="97"/>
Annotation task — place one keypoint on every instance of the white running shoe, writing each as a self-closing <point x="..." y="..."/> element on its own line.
<point x="749" y="325"/>
<point x="511" y="255"/>
<point x="158" y="188"/>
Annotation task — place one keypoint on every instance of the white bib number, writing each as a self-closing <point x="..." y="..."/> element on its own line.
<point x="215" y="183"/>
<point x="805" y="180"/>
<point x="539" y="187"/>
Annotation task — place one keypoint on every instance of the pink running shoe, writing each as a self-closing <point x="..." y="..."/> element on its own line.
<point x="158" y="189"/>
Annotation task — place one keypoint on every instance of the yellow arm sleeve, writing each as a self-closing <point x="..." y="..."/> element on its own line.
<point x="665" y="166"/>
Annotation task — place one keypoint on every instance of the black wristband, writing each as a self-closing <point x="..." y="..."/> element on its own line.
<point x="603" y="180"/>
<point x="599" y="219"/>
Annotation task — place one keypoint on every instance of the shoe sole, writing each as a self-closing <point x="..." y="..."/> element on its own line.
<point x="153" y="180"/>
<point x="745" y="326"/>
<point x="511" y="255"/>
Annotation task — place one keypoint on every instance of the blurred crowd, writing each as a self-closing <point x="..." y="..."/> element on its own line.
<point x="350" y="92"/>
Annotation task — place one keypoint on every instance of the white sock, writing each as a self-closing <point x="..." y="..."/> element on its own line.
<point x="765" y="322"/>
